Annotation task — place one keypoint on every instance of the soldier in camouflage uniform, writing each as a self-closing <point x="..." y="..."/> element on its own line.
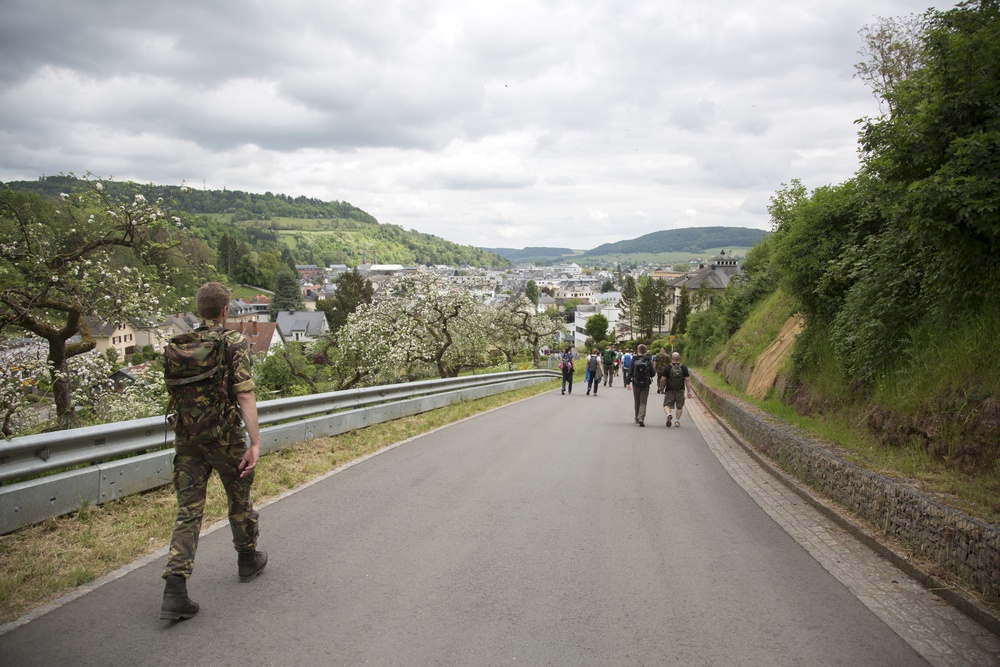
<point x="196" y="458"/>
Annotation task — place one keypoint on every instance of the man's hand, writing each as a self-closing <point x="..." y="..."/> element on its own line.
<point x="250" y="459"/>
<point x="248" y="410"/>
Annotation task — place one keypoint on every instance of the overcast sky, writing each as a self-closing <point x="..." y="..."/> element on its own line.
<point x="496" y="124"/>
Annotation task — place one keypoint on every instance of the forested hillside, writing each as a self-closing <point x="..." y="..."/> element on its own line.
<point x="240" y="205"/>
<point x="692" y="239"/>
<point x="314" y="231"/>
<point x="894" y="270"/>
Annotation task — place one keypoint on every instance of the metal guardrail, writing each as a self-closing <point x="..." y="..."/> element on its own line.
<point x="128" y="457"/>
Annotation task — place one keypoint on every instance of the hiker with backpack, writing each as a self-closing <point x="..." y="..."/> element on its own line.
<point x="608" y="362"/>
<point x="638" y="377"/>
<point x="594" y="372"/>
<point x="660" y="363"/>
<point x="212" y="410"/>
<point x="566" y="366"/>
<point x="676" y="380"/>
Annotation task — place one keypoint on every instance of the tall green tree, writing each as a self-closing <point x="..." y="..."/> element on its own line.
<point x="248" y="272"/>
<point x="662" y="293"/>
<point x="934" y="158"/>
<point x="647" y="310"/>
<point x="287" y="259"/>
<point x="630" y="300"/>
<point x="228" y="255"/>
<point x="287" y="293"/>
<point x="531" y="291"/>
<point x="352" y="292"/>
<point x="597" y="327"/>
<point x="683" y="312"/>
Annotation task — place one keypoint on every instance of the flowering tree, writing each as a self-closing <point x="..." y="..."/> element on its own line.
<point x="22" y="366"/>
<point x="88" y="254"/>
<point x="95" y="392"/>
<point x="517" y="323"/>
<point x="418" y="323"/>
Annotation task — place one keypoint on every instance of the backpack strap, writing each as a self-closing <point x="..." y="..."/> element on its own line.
<point x="175" y="382"/>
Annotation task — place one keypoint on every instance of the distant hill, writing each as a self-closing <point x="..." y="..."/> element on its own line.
<point x="535" y="255"/>
<point x="692" y="239"/>
<point x="314" y="231"/>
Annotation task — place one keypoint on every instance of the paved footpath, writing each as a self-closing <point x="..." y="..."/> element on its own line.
<point x="553" y="531"/>
<point x="937" y="631"/>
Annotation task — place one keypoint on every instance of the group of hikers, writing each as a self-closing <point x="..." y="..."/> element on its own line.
<point x="213" y="413"/>
<point x="639" y="372"/>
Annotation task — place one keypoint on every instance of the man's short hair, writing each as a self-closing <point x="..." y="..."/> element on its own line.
<point x="211" y="300"/>
<point x="642" y="349"/>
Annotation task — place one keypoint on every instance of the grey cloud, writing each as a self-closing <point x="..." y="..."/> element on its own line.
<point x="557" y="108"/>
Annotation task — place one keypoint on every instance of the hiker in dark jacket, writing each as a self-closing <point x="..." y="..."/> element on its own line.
<point x="594" y="372"/>
<point x="638" y="377"/>
<point x="566" y="366"/>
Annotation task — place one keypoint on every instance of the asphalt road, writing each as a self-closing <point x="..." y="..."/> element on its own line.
<point x="550" y="532"/>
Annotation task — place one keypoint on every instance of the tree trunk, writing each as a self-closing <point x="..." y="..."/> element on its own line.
<point x="59" y="353"/>
<point x="62" y="389"/>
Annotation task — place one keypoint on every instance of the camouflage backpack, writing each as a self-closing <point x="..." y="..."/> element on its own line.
<point x="194" y="367"/>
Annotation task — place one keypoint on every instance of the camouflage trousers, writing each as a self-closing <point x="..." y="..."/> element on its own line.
<point x="193" y="466"/>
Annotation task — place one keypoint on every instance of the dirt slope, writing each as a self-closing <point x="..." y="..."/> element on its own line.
<point x="765" y="370"/>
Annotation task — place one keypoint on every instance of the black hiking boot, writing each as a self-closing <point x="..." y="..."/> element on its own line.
<point x="251" y="563"/>
<point x="176" y="604"/>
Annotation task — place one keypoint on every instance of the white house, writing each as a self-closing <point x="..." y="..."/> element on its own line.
<point x="584" y="313"/>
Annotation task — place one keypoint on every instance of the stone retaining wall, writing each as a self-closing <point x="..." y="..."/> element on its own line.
<point x="961" y="544"/>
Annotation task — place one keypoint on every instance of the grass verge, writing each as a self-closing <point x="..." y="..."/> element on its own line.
<point x="42" y="562"/>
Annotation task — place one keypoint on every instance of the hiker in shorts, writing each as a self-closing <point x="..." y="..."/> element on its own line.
<point x="677" y="381"/>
